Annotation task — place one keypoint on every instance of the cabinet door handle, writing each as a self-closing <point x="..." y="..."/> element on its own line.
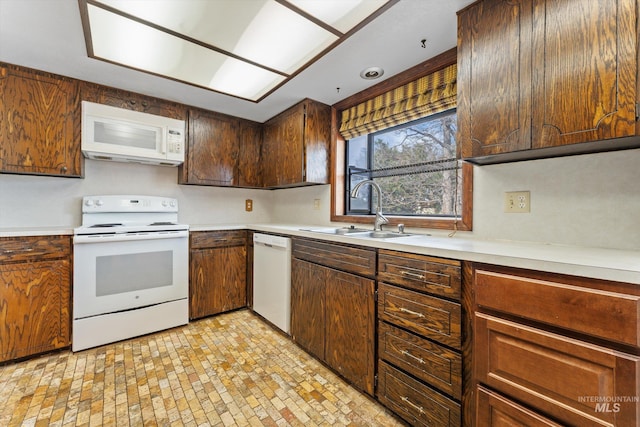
<point x="415" y="313"/>
<point x="410" y="274"/>
<point x="406" y="400"/>
<point x="419" y="359"/>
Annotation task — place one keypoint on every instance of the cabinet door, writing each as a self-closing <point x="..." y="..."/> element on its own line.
<point x="249" y="171"/>
<point x="283" y="149"/>
<point x="494" y="77"/>
<point x="217" y="280"/>
<point x="212" y="149"/>
<point x="308" y="306"/>
<point x="34" y="307"/>
<point x="584" y="84"/>
<point x="40" y="125"/>
<point x="350" y="327"/>
<point x="497" y="411"/>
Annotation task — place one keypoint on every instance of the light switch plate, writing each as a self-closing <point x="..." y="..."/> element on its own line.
<point x="517" y="202"/>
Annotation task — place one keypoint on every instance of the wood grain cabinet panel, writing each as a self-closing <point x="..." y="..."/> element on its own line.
<point x="556" y="375"/>
<point x="308" y="296"/>
<point x="613" y="316"/>
<point x="495" y="410"/>
<point x="132" y="101"/>
<point x="35" y="295"/>
<point x="346" y="258"/>
<point x="40" y="123"/>
<point x="430" y="362"/>
<point x="414" y="401"/>
<point x="425" y="315"/>
<point x="333" y="312"/>
<point x="545" y="73"/>
<point x="421" y="273"/>
<point x="218" y="272"/>
<point x="295" y="148"/>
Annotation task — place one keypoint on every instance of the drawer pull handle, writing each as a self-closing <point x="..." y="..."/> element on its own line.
<point x="419" y="359"/>
<point x="419" y="408"/>
<point x="410" y="274"/>
<point x="415" y="313"/>
<point x="11" y="251"/>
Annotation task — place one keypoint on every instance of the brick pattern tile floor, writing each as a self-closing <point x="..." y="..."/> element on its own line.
<point x="228" y="370"/>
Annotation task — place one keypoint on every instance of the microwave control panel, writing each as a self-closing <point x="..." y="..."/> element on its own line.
<point x="175" y="141"/>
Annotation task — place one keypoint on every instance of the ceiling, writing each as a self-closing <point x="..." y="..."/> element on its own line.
<point x="48" y="35"/>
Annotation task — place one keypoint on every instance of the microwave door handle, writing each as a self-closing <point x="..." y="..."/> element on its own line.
<point x="163" y="145"/>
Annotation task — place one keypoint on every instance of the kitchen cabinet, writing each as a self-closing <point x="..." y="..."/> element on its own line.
<point x="221" y="151"/>
<point x="333" y="307"/>
<point x="132" y="101"/>
<point x="295" y="147"/>
<point x="420" y="369"/>
<point x="40" y="125"/>
<point x="217" y="272"/>
<point x="535" y="74"/>
<point x="556" y="345"/>
<point x="35" y="296"/>
<point x="250" y="269"/>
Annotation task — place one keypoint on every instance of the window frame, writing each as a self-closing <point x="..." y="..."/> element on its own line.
<point x="338" y="173"/>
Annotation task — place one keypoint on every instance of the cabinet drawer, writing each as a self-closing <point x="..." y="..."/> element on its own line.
<point x="430" y="362"/>
<point x="346" y="258"/>
<point x="610" y="315"/>
<point x="555" y="375"/>
<point x="414" y="401"/>
<point x="422" y="273"/>
<point x="494" y="410"/>
<point x="217" y="239"/>
<point x="34" y="247"/>
<point x="428" y="316"/>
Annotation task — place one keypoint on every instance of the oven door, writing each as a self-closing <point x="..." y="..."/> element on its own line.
<point x="115" y="273"/>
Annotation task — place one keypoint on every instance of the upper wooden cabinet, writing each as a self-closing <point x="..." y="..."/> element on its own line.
<point x="221" y="150"/>
<point x="39" y="124"/>
<point x="132" y="101"/>
<point x="546" y="73"/>
<point x="295" y="148"/>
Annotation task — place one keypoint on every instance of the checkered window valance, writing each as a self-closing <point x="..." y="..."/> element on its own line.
<point x="425" y="96"/>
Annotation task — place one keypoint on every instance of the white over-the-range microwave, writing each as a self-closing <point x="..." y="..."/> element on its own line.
<point x="118" y="134"/>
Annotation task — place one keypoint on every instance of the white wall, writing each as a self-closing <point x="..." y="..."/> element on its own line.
<point x="587" y="200"/>
<point x="37" y="201"/>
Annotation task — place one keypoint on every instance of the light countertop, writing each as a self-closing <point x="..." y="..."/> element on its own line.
<point x="598" y="263"/>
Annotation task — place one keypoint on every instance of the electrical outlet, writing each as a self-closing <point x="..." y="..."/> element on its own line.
<point x="248" y="205"/>
<point x="316" y="204"/>
<point x="517" y="202"/>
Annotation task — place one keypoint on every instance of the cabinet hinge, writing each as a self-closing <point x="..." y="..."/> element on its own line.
<point x="375" y="295"/>
<point x="375" y="381"/>
<point x="637" y="111"/>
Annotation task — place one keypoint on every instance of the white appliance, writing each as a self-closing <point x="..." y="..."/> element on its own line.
<point x="130" y="269"/>
<point x="110" y="133"/>
<point x="272" y="279"/>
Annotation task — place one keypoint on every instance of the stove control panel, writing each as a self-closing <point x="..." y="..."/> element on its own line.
<point x="115" y="203"/>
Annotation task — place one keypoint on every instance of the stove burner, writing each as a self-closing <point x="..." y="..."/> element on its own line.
<point x="113" y="224"/>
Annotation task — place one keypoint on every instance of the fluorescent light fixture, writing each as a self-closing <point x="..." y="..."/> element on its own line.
<point x="244" y="48"/>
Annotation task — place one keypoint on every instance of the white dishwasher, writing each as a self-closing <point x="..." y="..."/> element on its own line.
<point x="272" y="279"/>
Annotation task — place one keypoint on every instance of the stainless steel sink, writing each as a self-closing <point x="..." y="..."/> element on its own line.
<point x="381" y="234"/>
<point x="339" y="231"/>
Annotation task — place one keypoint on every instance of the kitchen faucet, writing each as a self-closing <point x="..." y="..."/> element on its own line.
<point x="380" y="219"/>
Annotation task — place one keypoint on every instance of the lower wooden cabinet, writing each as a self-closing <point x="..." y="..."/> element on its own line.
<point x="217" y="272"/>
<point x="35" y="295"/>
<point x="414" y="401"/>
<point x="564" y="347"/>
<point x="495" y="410"/>
<point x="333" y="312"/>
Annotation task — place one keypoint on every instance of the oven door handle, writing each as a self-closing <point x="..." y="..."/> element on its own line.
<point x="128" y="237"/>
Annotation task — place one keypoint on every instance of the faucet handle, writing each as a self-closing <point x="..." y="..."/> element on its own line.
<point x="400" y="228"/>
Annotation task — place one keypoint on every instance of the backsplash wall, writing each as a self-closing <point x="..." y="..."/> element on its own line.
<point x="38" y="201"/>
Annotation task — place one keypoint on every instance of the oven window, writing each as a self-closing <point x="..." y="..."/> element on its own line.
<point x="117" y="274"/>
